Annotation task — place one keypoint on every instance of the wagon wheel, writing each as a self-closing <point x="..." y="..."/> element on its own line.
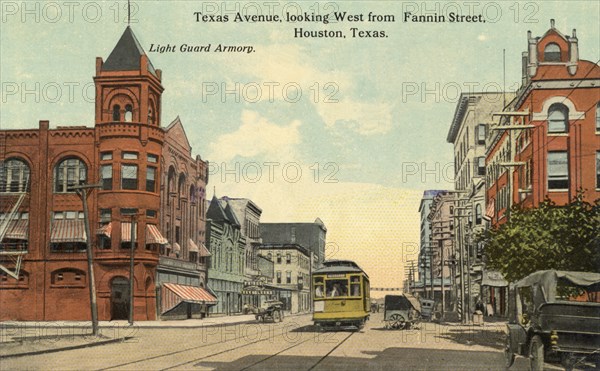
<point x="397" y="321"/>
<point x="509" y="356"/>
<point x="536" y="354"/>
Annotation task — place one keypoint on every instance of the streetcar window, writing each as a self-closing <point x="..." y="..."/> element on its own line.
<point x="355" y="286"/>
<point x="337" y="288"/>
<point x="319" y="287"/>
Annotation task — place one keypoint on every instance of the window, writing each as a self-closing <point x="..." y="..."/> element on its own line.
<point x="105" y="156"/>
<point x="150" y="179"/>
<point x="288" y="258"/>
<point x="288" y="277"/>
<point x="116" y="116"/>
<point x="269" y="256"/>
<point x="69" y="173"/>
<point x="14" y="176"/>
<point x="480" y="133"/>
<point x="129" y="174"/>
<point x="130" y="156"/>
<point x="293" y="237"/>
<point x="278" y="277"/>
<point x="354" y="286"/>
<point x="279" y="258"/>
<point x="106" y="176"/>
<point x="558" y="170"/>
<point x="552" y="53"/>
<point x="598" y="169"/>
<point x="480" y="165"/>
<point x="558" y="118"/>
<point x="128" y="113"/>
<point x="152" y="158"/>
<point x="151" y="213"/>
<point x="478" y="215"/>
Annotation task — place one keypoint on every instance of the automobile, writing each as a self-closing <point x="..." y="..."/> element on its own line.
<point x="401" y="311"/>
<point x="555" y="316"/>
<point x="270" y="310"/>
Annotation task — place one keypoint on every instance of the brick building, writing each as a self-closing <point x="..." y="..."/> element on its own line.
<point x="548" y="141"/>
<point x="43" y="217"/>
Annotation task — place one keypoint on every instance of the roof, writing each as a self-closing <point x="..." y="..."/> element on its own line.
<point x="126" y="54"/>
<point x="547" y="280"/>
<point x="339" y="266"/>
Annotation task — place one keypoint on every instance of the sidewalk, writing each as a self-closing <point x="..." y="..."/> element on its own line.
<point x="19" y="339"/>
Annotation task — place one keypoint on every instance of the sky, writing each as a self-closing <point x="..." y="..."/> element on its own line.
<point x="351" y="130"/>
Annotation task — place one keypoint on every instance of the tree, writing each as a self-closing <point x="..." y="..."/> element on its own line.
<point x="547" y="237"/>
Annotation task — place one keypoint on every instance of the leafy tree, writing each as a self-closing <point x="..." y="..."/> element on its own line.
<point x="547" y="237"/>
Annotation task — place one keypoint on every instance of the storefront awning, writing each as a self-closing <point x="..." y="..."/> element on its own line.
<point x="105" y="230"/>
<point x="192" y="246"/>
<point x="201" y="250"/>
<point x="493" y="279"/>
<point x="173" y="294"/>
<point x="176" y="247"/>
<point x="68" y="230"/>
<point x="17" y="229"/>
<point x="153" y="235"/>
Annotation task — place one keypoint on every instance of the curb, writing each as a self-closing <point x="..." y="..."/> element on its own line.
<point x="72" y="347"/>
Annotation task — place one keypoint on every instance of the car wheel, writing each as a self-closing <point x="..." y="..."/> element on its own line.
<point x="509" y="356"/>
<point x="536" y="354"/>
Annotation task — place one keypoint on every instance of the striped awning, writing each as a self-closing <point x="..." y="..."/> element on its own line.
<point x="153" y="235"/>
<point x="176" y="247"/>
<point x="192" y="246"/>
<point x="173" y="294"/>
<point x="68" y="230"/>
<point x="126" y="232"/>
<point x="17" y="230"/>
<point x="105" y="230"/>
<point x="203" y="251"/>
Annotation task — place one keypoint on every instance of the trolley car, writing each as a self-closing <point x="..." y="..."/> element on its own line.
<point x="340" y="295"/>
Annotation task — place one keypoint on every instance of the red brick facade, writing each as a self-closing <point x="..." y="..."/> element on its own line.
<point x="556" y="154"/>
<point x="123" y="154"/>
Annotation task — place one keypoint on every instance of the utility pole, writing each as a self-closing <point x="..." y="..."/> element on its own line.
<point x="82" y="191"/>
<point x="131" y="266"/>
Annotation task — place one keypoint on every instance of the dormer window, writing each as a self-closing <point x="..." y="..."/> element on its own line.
<point x="116" y="113"/>
<point x="552" y="53"/>
<point x="128" y="113"/>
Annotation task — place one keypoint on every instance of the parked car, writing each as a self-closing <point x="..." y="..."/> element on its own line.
<point x="270" y="310"/>
<point x="555" y="316"/>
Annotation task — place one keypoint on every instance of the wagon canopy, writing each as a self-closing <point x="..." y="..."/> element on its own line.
<point x="402" y="302"/>
<point x="548" y="280"/>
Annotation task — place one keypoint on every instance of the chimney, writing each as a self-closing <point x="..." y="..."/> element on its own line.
<point x="532" y="53"/>
<point x="552" y="23"/>
<point x="573" y="53"/>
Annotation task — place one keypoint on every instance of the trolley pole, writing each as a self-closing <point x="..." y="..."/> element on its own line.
<point x="82" y="191"/>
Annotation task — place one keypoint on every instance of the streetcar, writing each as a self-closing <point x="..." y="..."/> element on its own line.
<point x="340" y="295"/>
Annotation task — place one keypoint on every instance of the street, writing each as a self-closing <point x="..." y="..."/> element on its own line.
<point x="294" y="344"/>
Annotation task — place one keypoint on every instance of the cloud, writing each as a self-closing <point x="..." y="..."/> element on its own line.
<point x="365" y="118"/>
<point x="255" y="137"/>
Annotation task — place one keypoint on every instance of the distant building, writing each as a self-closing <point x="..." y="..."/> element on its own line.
<point x="292" y="274"/>
<point x="227" y="246"/>
<point x="424" y="282"/>
<point x="312" y="236"/>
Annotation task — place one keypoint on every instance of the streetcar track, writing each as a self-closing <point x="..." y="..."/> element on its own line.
<point x="172" y="353"/>
<point x="331" y="351"/>
<point x="274" y="355"/>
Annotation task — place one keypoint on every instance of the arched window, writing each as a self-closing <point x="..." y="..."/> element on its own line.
<point x="151" y="114"/>
<point x="14" y="176"/>
<point x="128" y="113"/>
<point x="193" y="195"/>
<point x="181" y="185"/>
<point x="116" y="113"/>
<point x="552" y="53"/>
<point x="558" y="121"/>
<point x="478" y="215"/>
<point x="68" y="173"/>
